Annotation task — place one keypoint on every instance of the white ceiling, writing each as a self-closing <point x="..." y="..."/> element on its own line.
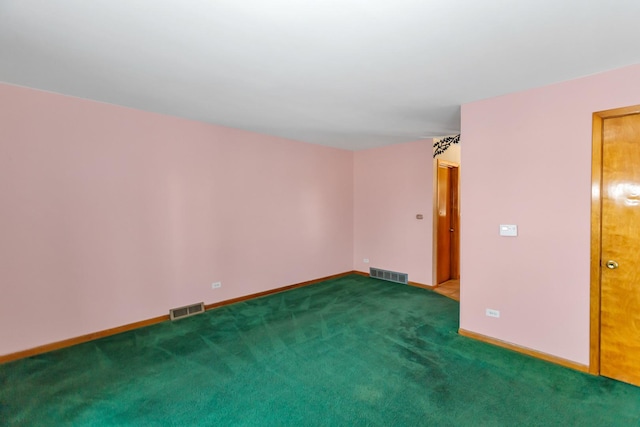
<point x="346" y="73"/>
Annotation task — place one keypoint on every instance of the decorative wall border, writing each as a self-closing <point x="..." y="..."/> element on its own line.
<point x="443" y="144"/>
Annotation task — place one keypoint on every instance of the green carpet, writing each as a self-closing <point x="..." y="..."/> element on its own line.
<point x="352" y="351"/>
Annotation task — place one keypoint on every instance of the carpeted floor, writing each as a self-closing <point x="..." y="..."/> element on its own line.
<point x="352" y="351"/>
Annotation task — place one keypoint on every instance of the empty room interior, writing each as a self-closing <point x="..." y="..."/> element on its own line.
<point x="368" y="213"/>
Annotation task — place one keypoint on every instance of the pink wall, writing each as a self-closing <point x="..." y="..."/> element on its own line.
<point x="111" y="215"/>
<point x="391" y="185"/>
<point x="527" y="161"/>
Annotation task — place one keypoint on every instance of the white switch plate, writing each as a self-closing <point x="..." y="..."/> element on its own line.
<point x="493" y="313"/>
<point x="366" y="260"/>
<point x="508" y="230"/>
<point x="216" y="285"/>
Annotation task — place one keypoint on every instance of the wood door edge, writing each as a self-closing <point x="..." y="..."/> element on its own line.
<point x="455" y="249"/>
<point x="434" y="223"/>
<point x="596" y="238"/>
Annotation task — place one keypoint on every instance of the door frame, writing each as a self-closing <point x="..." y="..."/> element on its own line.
<point x="456" y="217"/>
<point x="596" y="230"/>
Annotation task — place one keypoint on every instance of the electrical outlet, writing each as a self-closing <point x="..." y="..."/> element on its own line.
<point x="493" y="313"/>
<point x="366" y="260"/>
<point x="216" y="285"/>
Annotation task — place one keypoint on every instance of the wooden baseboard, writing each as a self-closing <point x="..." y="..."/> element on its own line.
<point x="79" y="340"/>
<point x="524" y="350"/>
<point x="275" y="291"/>
<point x="107" y="332"/>
<point x="421" y="285"/>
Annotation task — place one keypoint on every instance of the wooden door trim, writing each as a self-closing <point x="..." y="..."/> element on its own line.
<point x="447" y="163"/>
<point x="455" y="244"/>
<point x="596" y="230"/>
<point x="437" y="164"/>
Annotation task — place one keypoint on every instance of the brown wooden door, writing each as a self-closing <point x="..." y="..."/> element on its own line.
<point x="447" y="206"/>
<point x="620" y="272"/>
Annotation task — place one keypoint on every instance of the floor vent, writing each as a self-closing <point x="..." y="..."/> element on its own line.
<point x="186" y="311"/>
<point x="391" y="276"/>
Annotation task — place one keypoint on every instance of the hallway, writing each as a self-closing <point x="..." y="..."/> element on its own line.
<point x="450" y="288"/>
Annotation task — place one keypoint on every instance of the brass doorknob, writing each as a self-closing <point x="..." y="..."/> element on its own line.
<point x="612" y="265"/>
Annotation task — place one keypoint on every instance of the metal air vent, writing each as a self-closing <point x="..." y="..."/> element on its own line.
<point x="186" y="311"/>
<point x="391" y="276"/>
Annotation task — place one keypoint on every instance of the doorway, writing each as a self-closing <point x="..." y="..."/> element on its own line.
<point x="448" y="220"/>
<point x="615" y="244"/>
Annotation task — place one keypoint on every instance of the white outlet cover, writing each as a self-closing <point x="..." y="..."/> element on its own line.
<point x="366" y="260"/>
<point x="216" y="285"/>
<point x="509" y="230"/>
<point x="493" y="313"/>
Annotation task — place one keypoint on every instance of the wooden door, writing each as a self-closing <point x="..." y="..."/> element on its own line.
<point x="620" y="251"/>
<point x="447" y="230"/>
